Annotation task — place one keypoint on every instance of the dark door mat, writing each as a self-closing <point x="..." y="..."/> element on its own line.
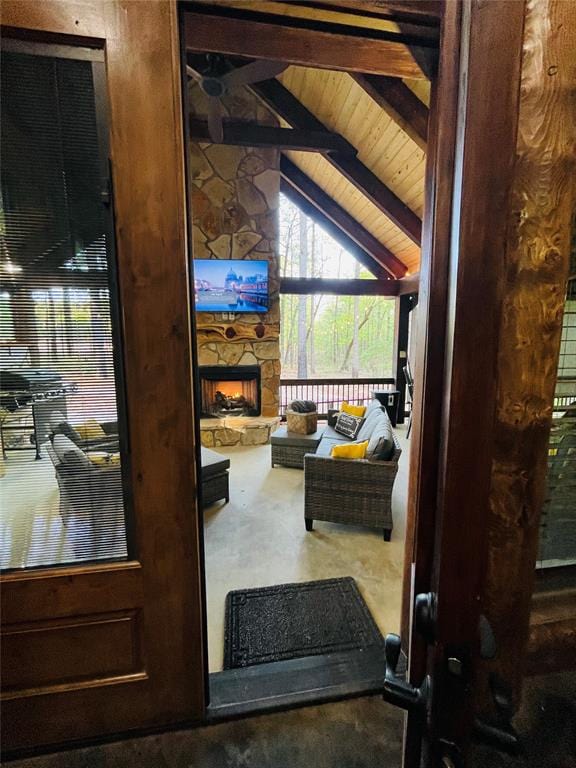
<point x="290" y="621"/>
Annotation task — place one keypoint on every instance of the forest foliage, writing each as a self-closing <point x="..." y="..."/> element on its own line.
<point x="329" y="336"/>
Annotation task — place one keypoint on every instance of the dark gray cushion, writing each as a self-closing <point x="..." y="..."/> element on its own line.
<point x="212" y="463"/>
<point x="381" y="444"/>
<point x="282" y="437"/>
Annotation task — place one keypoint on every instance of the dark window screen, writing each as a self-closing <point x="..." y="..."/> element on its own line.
<point x="558" y="524"/>
<point x="64" y="458"/>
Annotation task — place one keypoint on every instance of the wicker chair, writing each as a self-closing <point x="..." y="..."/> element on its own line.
<point x="358" y="491"/>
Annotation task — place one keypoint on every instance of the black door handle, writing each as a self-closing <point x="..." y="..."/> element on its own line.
<point x="396" y="690"/>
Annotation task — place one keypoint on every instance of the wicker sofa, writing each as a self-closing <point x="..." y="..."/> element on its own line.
<point x="354" y="491"/>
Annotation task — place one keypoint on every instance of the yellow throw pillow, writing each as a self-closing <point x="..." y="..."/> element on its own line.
<point x="103" y="459"/>
<point x="90" y="430"/>
<point x="349" y="450"/>
<point x="353" y="410"/>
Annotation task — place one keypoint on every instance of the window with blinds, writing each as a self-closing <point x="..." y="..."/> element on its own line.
<point x="64" y="458"/>
<point x="558" y="525"/>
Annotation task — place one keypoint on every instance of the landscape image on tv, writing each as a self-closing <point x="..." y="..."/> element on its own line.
<point x="231" y="285"/>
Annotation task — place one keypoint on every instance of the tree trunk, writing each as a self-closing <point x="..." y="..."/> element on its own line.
<point x="365" y="319"/>
<point x="355" y="332"/>
<point x="313" y="300"/>
<point x="302" y="356"/>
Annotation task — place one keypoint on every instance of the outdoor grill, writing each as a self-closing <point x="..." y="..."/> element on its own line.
<point x="37" y="391"/>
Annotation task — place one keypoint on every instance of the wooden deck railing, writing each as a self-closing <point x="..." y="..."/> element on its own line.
<point x="329" y="393"/>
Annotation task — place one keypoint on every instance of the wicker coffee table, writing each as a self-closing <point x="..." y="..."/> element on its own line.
<point x="289" y="448"/>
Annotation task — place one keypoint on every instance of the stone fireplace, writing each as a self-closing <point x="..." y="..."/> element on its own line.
<point x="230" y="391"/>
<point x="235" y="195"/>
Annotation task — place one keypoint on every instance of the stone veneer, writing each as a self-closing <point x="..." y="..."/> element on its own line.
<point x="235" y="197"/>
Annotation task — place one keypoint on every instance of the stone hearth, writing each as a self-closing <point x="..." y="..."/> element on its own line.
<point x="239" y="430"/>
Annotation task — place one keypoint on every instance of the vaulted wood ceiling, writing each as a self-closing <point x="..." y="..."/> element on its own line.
<point x="384" y="147"/>
<point x="382" y="188"/>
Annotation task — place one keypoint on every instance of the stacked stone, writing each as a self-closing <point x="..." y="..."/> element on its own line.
<point x="235" y="197"/>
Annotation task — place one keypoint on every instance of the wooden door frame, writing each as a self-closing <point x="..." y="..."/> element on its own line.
<point x="435" y="237"/>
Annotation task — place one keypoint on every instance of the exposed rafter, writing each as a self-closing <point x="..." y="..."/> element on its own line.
<point x="398" y="101"/>
<point x="338" y="222"/>
<point x="382" y="53"/>
<point x="279" y="98"/>
<point x="251" y="135"/>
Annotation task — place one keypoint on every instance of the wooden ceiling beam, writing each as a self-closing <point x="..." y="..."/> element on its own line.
<point x="320" y="285"/>
<point x="287" y="106"/>
<point x="212" y="31"/>
<point x="335" y="219"/>
<point x="398" y="101"/>
<point x="250" y="135"/>
<point x="417" y="11"/>
<point x="298" y="13"/>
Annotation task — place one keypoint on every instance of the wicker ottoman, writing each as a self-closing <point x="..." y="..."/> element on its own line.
<point x="214" y="477"/>
<point x="289" y="448"/>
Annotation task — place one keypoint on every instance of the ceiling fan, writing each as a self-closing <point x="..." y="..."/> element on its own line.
<point x="215" y="86"/>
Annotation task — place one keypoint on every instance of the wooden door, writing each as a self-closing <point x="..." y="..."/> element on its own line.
<point x="96" y="648"/>
<point x="471" y="157"/>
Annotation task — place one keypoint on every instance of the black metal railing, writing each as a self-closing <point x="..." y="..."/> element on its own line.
<point x="329" y="393"/>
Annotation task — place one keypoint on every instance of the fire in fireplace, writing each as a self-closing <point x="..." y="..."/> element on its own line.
<point x="230" y="390"/>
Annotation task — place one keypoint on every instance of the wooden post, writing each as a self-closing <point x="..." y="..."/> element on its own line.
<point x="536" y="268"/>
<point x="401" y="328"/>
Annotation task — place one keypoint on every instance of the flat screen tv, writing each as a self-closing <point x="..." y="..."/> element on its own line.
<point x="231" y="285"/>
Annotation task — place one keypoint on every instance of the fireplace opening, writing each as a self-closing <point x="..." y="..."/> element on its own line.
<point x="230" y="390"/>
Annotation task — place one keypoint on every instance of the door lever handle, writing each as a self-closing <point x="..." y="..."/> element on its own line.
<point x="396" y="690"/>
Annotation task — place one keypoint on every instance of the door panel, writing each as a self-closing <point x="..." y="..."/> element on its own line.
<point x="121" y="642"/>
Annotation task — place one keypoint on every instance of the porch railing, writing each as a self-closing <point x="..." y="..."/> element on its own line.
<point x="565" y="393"/>
<point x="329" y="393"/>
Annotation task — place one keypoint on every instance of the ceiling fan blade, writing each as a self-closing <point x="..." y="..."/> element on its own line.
<point x="253" y="73"/>
<point x="193" y="73"/>
<point x="215" y="126"/>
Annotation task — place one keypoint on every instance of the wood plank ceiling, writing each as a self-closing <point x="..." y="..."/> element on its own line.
<point x="337" y="100"/>
<point x="344" y="107"/>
